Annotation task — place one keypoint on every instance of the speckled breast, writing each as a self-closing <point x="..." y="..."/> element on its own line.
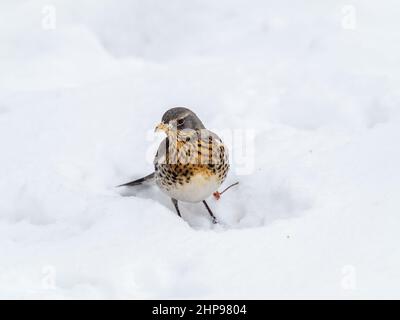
<point x="190" y="167"/>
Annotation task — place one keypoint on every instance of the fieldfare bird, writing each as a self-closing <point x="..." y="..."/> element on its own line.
<point x="191" y="162"/>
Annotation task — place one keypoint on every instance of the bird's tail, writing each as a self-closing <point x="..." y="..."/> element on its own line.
<point x="138" y="181"/>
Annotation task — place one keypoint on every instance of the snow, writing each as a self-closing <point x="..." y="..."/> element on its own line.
<point x="306" y="96"/>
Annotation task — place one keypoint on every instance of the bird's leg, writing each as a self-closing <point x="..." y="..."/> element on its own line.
<point x="214" y="219"/>
<point x="175" y="202"/>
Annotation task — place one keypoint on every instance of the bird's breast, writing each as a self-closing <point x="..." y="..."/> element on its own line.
<point x="188" y="183"/>
<point x="190" y="166"/>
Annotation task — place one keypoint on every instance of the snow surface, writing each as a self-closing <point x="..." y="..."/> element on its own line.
<point x="314" y="96"/>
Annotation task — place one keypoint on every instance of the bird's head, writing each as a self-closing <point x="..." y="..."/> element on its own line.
<point x="180" y="118"/>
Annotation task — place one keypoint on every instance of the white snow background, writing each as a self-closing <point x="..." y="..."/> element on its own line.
<point x="315" y="84"/>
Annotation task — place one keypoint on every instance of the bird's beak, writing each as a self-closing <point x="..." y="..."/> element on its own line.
<point x="162" y="127"/>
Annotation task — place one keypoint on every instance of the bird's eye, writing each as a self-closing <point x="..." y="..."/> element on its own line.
<point x="180" y="121"/>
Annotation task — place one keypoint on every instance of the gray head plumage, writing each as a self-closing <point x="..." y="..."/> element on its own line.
<point x="184" y="117"/>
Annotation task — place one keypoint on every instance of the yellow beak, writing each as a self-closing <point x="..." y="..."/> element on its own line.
<point x="162" y="127"/>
